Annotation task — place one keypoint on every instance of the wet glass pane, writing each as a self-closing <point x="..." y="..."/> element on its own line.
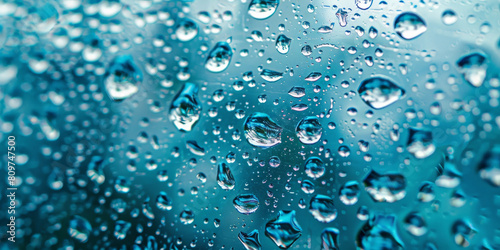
<point x="250" y="124"/>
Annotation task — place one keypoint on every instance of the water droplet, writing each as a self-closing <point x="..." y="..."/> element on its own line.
<point x="409" y="26"/>
<point x="186" y="30"/>
<point x="246" y="203"/>
<point x="163" y="202"/>
<point x="349" y="193"/>
<point x="283" y="44"/>
<point x="379" y="233"/>
<point x="195" y="148"/>
<point x="187" y="216"/>
<point x="219" y="57"/>
<point x="250" y="241"/>
<point x="95" y="170"/>
<point x="322" y="208"/>
<point x="313" y="76"/>
<point x="420" y="143"/>
<point x="342" y="16"/>
<point x="364" y="4"/>
<point x="185" y="110"/>
<point x="463" y="232"/>
<point x="261" y="131"/>
<point x="121" y="229"/>
<point x="271" y="75"/>
<point x="297" y="92"/>
<point x="284" y="230"/>
<point x="225" y="178"/>
<point x="385" y="188"/>
<point x="426" y="192"/>
<point x="314" y="167"/>
<point x="489" y="167"/>
<point x="262" y="9"/>
<point x="309" y="130"/>
<point x="449" y="17"/>
<point x="123" y="78"/>
<point x="329" y="239"/>
<point x="79" y="229"/>
<point x="415" y="224"/>
<point x="379" y="93"/>
<point x="473" y="68"/>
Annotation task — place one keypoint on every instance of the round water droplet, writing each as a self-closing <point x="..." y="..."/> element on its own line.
<point x="219" y="57"/>
<point x="322" y="208"/>
<point x="309" y="130"/>
<point x="262" y="9"/>
<point x="409" y="25"/>
<point x="314" y="167"/>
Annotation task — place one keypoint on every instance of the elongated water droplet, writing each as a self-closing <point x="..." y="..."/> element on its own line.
<point x="409" y="25"/>
<point x="261" y="131"/>
<point x="379" y="92"/>
<point x="297" y="92"/>
<point x="473" y="68"/>
<point x="185" y="110"/>
<point x="225" y="177"/>
<point x="195" y="148"/>
<point x="219" y="57"/>
<point x="313" y="76"/>
<point x="163" y="202"/>
<point x="271" y="75"/>
<point x="284" y="230"/>
<point x="246" y="203"/>
<point x="342" y="16"/>
<point x="262" y="9"/>
<point x="322" y="208"/>
<point x="123" y="78"/>
<point x="385" y="188"/>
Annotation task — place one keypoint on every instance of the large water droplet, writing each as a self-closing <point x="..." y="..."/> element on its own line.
<point x="246" y="203"/>
<point x="261" y="131"/>
<point x="409" y="25"/>
<point x="185" y="110"/>
<point x="225" y="178"/>
<point x="385" y="188"/>
<point x="284" y="230"/>
<point x="473" y="68"/>
<point x="322" y="208"/>
<point x="219" y="57"/>
<point x="297" y="92"/>
<point x="123" y="78"/>
<point x="379" y="92"/>
<point x="262" y="9"/>
<point x="309" y="130"/>
<point x="463" y="232"/>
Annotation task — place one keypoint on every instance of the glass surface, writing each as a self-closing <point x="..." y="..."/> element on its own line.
<point x="250" y="124"/>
